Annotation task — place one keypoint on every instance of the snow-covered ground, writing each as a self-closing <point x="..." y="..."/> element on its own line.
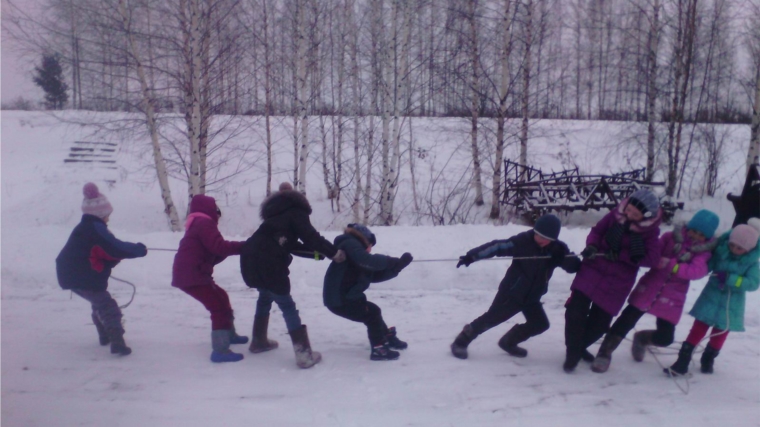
<point x="54" y="373"/>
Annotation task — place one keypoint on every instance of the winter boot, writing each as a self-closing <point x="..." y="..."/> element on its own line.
<point x="220" y="343"/>
<point x="459" y="346"/>
<point x="383" y="352"/>
<point x="681" y="367"/>
<point x="393" y="341"/>
<point x="707" y="360"/>
<point x="587" y="356"/>
<point x="510" y="340"/>
<point x="259" y="341"/>
<point x="118" y="346"/>
<point x="237" y="339"/>
<point x="641" y="340"/>
<point x="102" y="333"/>
<point x="602" y="361"/>
<point x="305" y="358"/>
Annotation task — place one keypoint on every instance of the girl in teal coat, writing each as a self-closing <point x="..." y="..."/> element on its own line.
<point x="735" y="271"/>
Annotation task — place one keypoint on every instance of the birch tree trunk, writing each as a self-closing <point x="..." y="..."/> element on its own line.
<point x="191" y="25"/>
<point x="356" y="104"/>
<point x="302" y="97"/>
<point x="526" y="83"/>
<point x="150" y="117"/>
<point x="267" y="94"/>
<point x="386" y="104"/>
<point x="475" y="101"/>
<point x="653" y="42"/>
<point x="505" y="51"/>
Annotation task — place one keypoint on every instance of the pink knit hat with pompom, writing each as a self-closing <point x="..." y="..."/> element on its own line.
<point x="745" y="236"/>
<point x="94" y="202"/>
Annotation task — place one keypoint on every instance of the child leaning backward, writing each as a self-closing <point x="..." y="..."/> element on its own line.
<point x="735" y="272"/>
<point x="537" y="253"/>
<point x="84" y="266"/>
<point x="345" y="283"/>
<point x="662" y="290"/>
<point x="621" y="242"/>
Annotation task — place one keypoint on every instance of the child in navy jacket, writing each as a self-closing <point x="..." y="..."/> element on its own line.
<point x="85" y="262"/>
<point x="537" y="253"/>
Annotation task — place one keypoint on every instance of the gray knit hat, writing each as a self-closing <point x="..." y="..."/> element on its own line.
<point x="646" y="202"/>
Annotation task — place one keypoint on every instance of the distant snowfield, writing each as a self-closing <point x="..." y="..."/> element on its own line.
<point x="54" y="373"/>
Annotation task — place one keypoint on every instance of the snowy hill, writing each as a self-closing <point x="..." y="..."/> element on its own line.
<point x="54" y="373"/>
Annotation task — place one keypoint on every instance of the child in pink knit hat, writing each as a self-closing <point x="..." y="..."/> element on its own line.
<point x="735" y="272"/>
<point x="85" y="262"/>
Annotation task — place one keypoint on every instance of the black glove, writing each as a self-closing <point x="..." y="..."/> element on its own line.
<point x="465" y="260"/>
<point x="404" y="261"/>
<point x="589" y="251"/>
<point x="557" y="255"/>
<point x="144" y="249"/>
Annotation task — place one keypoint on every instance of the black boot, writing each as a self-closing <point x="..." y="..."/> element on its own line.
<point x="383" y="352"/>
<point x="118" y="346"/>
<point x="641" y="340"/>
<point x="510" y="340"/>
<point x="393" y="341"/>
<point x="603" y="359"/>
<point x="707" y="360"/>
<point x="681" y="367"/>
<point x="587" y="356"/>
<point x="102" y="333"/>
<point x="459" y="346"/>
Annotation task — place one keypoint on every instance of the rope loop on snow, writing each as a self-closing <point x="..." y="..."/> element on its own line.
<point x="134" y="291"/>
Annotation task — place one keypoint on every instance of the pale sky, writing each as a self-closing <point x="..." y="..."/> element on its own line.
<point x="15" y="72"/>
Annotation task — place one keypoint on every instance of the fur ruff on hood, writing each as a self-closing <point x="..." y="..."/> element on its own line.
<point x="358" y="235"/>
<point x="281" y="201"/>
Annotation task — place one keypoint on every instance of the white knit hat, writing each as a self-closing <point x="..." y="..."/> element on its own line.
<point x="94" y="202"/>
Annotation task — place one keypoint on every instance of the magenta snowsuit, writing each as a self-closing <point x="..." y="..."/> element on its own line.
<point x="608" y="283"/>
<point x="662" y="292"/>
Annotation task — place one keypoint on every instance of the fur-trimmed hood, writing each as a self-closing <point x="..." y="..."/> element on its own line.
<point x="355" y="233"/>
<point x="679" y="234"/>
<point x="282" y="201"/>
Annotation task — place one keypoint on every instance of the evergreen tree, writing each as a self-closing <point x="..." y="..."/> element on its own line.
<point x="50" y="78"/>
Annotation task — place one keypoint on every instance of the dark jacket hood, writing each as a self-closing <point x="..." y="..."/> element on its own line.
<point x="350" y="233"/>
<point x="204" y="204"/>
<point x="282" y="201"/>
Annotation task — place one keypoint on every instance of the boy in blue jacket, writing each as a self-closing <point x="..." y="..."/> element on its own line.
<point x="85" y="262"/>
<point x="345" y="283"/>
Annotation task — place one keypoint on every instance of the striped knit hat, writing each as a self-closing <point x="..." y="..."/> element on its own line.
<point x="94" y="202"/>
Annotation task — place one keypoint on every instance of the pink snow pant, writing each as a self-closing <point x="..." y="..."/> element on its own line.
<point x="699" y="330"/>
<point x="216" y="301"/>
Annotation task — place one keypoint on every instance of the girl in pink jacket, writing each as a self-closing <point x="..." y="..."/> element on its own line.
<point x="662" y="291"/>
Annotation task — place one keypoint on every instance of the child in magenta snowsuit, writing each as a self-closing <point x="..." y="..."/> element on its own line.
<point x="200" y="250"/>
<point x="735" y="271"/>
<point x="662" y="290"/>
<point x="624" y="240"/>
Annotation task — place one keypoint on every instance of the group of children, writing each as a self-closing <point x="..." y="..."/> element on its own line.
<point x="625" y="240"/>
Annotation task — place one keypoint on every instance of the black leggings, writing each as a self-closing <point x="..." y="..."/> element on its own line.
<point x="662" y="337"/>
<point x="363" y="311"/>
<point x="585" y="323"/>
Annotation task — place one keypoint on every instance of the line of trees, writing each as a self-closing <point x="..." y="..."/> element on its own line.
<point x="343" y="64"/>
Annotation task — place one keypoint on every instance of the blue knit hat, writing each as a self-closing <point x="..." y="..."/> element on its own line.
<point x="548" y="227"/>
<point x="646" y="202"/>
<point x="704" y="221"/>
<point x="364" y="231"/>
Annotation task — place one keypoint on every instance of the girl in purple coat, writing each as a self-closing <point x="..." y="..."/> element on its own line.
<point x="624" y="240"/>
<point x="662" y="291"/>
<point x="199" y="251"/>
